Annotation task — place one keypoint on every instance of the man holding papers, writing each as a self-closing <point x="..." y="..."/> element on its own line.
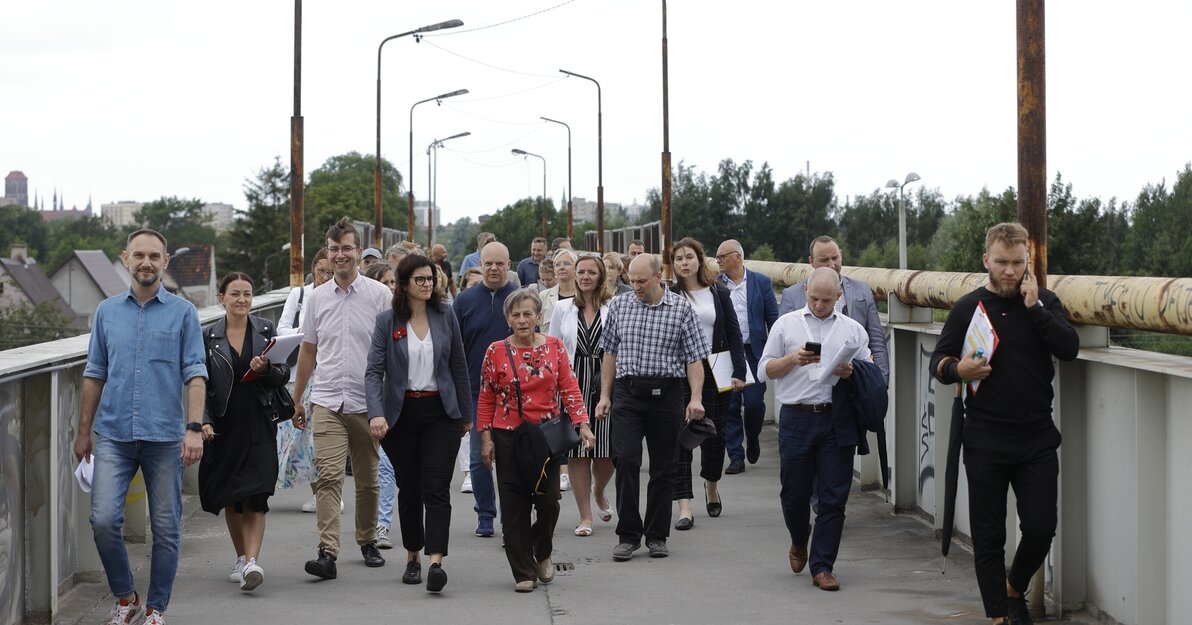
<point x="814" y="443"/>
<point x="1009" y="436"/>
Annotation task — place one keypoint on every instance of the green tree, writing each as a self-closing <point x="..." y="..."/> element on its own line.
<point x="21" y="224"/>
<point x="344" y="186"/>
<point x="459" y="237"/>
<point x="262" y="230"/>
<point x="1160" y="238"/>
<point x="517" y="224"/>
<point x="182" y="222"/>
<point x="84" y="233"/>
<point x="960" y="240"/>
<point x="26" y="324"/>
<point x="1083" y="237"/>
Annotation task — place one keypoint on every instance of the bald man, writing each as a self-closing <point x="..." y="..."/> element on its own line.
<point x="813" y="445"/>
<point x="438" y="255"/>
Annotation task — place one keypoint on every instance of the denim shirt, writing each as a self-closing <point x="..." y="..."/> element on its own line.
<point x="144" y="355"/>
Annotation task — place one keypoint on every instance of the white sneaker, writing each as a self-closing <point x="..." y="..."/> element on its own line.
<point x="127" y="614"/>
<point x="254" y="575"/>
<point x="564" y="482"/>
<point x="156" y="618"/>
<point x="237" y="574"/>
<point x="311" y="505"/>
<point x="467" y="485"/>
<point x="341" y="506"/>
<point x="383" y="541"/>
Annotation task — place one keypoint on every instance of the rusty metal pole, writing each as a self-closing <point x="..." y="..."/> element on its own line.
<point x="1032" y="132"/>
<point x="666" y="157"/>
<point x="297" y="257"/>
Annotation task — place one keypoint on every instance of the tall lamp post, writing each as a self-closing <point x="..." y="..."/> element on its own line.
<point x="377" y="166"/>
<point x="432" y="182"/>
<point x="523" y="154"/>
<point x="570" y="212"/>
<point x="599" y="163"/>
<point x="893" y="184"/>
<point x="410" y="183"/>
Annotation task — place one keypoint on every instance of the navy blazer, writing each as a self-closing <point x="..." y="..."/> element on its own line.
<point x="859" y="405"/>
<point x="387" y="373"/>
<point x="762" y="307"/>
<point x="858" y="297"/>
<point x="726" y="330"/>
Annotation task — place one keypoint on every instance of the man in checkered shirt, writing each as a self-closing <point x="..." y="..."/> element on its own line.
<point x="651" y="342"/>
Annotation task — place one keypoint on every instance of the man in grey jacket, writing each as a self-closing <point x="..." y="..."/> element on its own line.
<point x="856" y="303"/>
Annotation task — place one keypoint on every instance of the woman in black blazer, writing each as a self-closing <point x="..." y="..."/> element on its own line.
<point x="718" y="320"/>
<point x="239" y="467"/>
<point x="416" y="385"/>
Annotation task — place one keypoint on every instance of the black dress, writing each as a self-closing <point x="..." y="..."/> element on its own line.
<point x="241" y="463"/>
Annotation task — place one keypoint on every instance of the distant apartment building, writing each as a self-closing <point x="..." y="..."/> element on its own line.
<point x="420" y="214"/>
<point x="222" y="215"/>
<point x="585" y="210"/>
<point x="121" y="214"/>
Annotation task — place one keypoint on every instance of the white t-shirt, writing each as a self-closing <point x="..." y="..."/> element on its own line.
<point x="705" y="310"/>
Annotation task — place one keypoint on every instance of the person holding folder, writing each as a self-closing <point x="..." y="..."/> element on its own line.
<point x="239" y="469"/>
<point x="718" y="321"/>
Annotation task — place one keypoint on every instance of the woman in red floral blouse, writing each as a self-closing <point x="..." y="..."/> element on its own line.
<point x="544" y="373"/>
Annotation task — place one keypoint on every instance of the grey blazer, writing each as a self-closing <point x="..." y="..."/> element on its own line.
<point x="387" y="372"/>
<point x="858" y="298"/>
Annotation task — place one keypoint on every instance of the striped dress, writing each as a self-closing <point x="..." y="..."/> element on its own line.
<point x="587" y="371"/>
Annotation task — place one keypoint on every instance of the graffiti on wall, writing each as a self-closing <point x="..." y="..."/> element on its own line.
<point x="926" y="448"/>
<point x="67" y="422"/>
<point x="12" y="512"/>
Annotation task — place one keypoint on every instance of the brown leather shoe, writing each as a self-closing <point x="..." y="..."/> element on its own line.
<point x="798" y="557"/>
<point x="825" y="580"/>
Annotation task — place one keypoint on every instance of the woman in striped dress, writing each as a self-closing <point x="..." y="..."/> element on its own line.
<point x="578" y="322"/>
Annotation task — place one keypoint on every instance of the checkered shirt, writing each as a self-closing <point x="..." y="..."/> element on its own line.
<point x="653" y="341"/>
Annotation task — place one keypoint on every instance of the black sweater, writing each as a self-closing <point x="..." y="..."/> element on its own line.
<point x="1017" y="395"/>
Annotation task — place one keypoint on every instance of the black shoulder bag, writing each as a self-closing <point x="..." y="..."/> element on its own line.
<point x="560" y="435"/>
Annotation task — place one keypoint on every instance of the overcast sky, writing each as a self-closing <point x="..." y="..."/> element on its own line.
<point x="124" y="100"/>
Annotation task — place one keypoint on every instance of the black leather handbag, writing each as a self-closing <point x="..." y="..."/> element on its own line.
<point x="558" y="432"/>
<point x="281" y="404"/>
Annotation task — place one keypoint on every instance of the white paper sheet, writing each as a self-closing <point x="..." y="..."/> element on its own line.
<point x="722" y="370"/>
<point x="846" y="353"/>
<point x="277" y="352"/>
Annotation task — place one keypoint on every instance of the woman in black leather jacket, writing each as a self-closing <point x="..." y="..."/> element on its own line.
<point x="239" y="467"/>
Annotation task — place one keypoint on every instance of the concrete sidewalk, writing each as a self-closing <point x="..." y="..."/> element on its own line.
<point x="732" y="569"/>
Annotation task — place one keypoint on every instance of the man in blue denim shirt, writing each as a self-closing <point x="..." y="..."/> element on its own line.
<point x="146" y="344"/>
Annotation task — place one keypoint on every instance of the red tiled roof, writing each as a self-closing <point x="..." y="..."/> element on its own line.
<point x="192" y="268"/>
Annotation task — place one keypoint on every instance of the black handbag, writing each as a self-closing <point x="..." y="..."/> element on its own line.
<point x="281" y="404"/>
<point x="558" y="432"/>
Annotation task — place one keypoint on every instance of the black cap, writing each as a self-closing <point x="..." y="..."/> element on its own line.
<point x="695" y="432"/>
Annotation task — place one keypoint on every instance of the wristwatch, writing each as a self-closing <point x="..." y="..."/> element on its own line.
<point x="195" y="426"/>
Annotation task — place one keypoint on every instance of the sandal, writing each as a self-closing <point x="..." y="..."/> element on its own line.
<point x="582" y="530"/>
<point x="606" y="515"/>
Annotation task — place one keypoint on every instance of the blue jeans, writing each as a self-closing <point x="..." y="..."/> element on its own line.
<point x="482" y="478"/>
<point x="809" y="455"/>
<point x="388" y="492"/>
<point x="115" y="465"/>
<point x="754" y="398"/>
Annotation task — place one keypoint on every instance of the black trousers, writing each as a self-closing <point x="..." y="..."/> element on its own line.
<point x="657" y="420"/>
<point x="994" y="462"/>
<point x="711" y="457"/>
<point x="529" y="538"/>
<point x="422" y="446"/>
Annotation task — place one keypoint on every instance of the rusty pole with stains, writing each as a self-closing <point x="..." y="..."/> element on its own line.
<point x="1032" y="133"/>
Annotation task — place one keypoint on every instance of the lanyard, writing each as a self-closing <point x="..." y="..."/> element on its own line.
<point x="824" y="341"/>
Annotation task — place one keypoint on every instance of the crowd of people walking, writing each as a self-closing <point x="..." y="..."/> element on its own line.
<point x="533" y="379"/>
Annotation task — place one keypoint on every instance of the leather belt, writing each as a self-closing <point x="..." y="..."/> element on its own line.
<point x="421" y="394"/>
<point x="824" y="407"/>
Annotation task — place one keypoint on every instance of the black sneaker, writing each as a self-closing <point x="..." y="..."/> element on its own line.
<point x="753" y="450"/>
<point x="372" y="556"/>
<point x="657" y="548"/>
<point x="735" y="466"/>
<point x="436" y="578"/>
<point x="323" y="566"/>
<point x="1017" y="612"/>
<point x="413" y="574"/>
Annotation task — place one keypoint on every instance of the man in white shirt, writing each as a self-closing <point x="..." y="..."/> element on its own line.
<point x="337" y="323"/>
<point x="813" y="445"/>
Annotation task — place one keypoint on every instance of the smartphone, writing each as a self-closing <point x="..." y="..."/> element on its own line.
<point x="813" y="348"/>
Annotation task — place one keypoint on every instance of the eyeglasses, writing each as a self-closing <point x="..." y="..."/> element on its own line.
<point x="423" y="280"/>
<point x="347" y="249"/>
<point x="326" y="273"/>
<point x="720" y="257"/>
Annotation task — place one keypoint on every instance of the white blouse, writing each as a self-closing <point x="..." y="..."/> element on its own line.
<point x="705" y="310"/>
<point x="421" y="376"/>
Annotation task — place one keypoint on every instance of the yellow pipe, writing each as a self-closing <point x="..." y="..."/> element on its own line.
<point x="1139" y="303"/>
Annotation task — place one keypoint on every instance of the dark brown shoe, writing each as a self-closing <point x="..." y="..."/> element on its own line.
<point x="798" y="558"/>
<point x="825" y="580"/>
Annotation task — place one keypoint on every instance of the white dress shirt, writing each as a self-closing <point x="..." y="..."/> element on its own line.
<point x="808" y="384"/>
<point x="740" y="296"/>
<point x="421" y="376"/>
<point x="340" y="322"/>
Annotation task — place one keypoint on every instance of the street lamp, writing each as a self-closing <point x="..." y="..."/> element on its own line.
<point x="570" y="191"/>
<point x="410" y="183"/>
<point x="893" y="184"/>
<point x="377" y="166"/>
<point x="269" y="283"/>
<point x="523" y="154"/>
<point x="432" y="184"/>
<point x="599" y="163"/>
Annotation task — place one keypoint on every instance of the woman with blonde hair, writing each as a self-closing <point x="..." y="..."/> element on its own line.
<point x="564" y="263"/>
<point x="579" y="323"/>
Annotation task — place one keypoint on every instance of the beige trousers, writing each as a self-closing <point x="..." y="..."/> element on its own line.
<point x="336" y="433"/>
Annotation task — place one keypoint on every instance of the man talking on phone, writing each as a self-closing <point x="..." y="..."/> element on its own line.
<point x="1009" y="436"/>
<point x="813" y="445"/>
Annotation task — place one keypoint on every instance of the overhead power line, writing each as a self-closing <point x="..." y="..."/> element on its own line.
<point x="509" y="21"/>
